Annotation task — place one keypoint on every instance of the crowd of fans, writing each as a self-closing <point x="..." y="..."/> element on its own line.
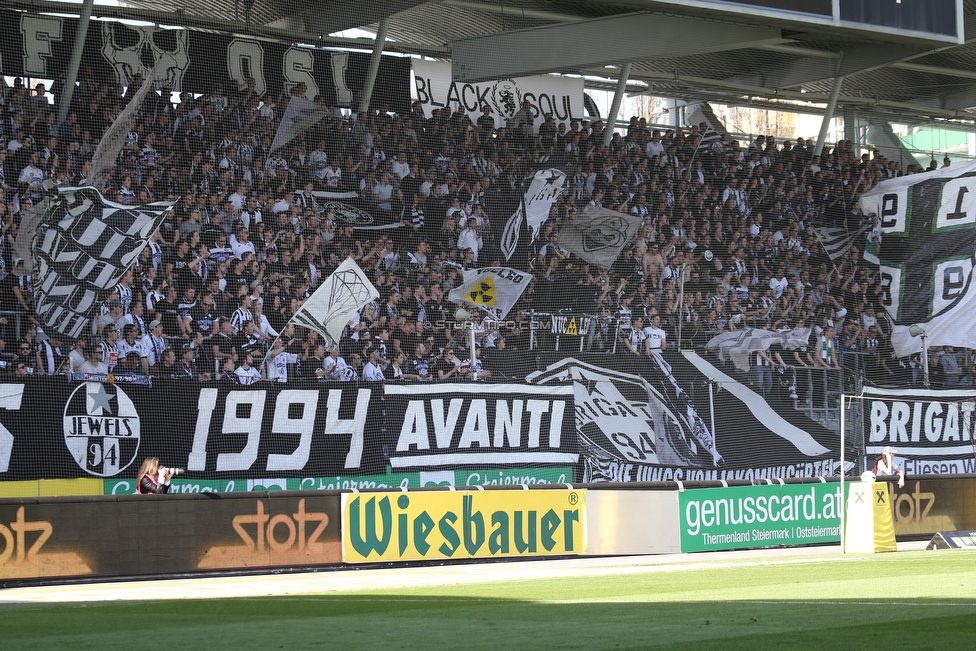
<point x="248" y="241"/>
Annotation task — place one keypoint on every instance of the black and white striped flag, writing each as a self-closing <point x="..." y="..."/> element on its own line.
<point x="81" y="250"/>
<point x="837" y="241"/>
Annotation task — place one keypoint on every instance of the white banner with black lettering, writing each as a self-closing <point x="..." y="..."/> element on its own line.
<point x="561" y="96"/>
<point x="475" y="424"/>
<point x="932" y="431"/>
<point x="494" y="290"/>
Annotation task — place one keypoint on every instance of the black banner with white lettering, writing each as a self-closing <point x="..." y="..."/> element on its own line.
<point x="619" y="418"/>
<point x="479" y="425"/>
<point x="932" y="431"/>
<point x="52" y="429"/>
<point x="40" y="47"/>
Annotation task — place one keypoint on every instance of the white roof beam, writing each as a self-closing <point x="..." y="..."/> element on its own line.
<point x="843" y="100"/>
<point x="812" y="69"/>
<point x="603" y="41"/>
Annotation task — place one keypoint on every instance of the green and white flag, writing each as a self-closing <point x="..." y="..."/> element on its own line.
<point x="925" y="254"/>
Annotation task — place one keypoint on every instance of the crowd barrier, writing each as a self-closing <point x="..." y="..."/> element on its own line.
<point x="82" y="537"/>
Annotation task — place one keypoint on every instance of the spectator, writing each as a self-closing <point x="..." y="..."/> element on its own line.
<point x="446" y="368"/>
<point x="246" y="373"/>
<point x="154" y="344"/>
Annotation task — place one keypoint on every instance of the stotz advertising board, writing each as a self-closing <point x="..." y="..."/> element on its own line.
<point x="743" y="517"/>
<point x="385" y="527"/>
<point x="926" y="506"/>
<point x="138" y="535"/>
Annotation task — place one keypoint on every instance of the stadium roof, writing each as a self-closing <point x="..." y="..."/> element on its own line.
<point x="695" y="50"/>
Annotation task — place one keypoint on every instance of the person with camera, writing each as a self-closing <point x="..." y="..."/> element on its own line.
<point x="154" y="479"/>
<point x="885" y="465"/>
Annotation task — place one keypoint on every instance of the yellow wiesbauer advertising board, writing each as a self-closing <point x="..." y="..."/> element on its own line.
<point x="463" y="524"/>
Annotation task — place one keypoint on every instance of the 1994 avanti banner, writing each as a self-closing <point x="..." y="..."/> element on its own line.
<point x="574" y="419"/>
<point x="55" y="429"/>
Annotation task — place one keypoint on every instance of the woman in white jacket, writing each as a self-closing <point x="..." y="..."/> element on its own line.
<point x="257" y="310"/>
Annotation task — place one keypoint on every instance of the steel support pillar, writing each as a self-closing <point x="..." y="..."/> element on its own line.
<point x="828" y="115"/>
<point x="374" y="65"/>
<point x="67" y="93"/>
<point x="618" y="97"/>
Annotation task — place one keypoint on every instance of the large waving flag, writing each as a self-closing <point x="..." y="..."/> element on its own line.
<point x="925" y="256"/>
<point x="346" y="291"/>
<point x="300" y="116"/>
<point x="492" y="290"/>
<point x="598" y="235"/>
<point x="81" y="243"/>
<point x="83" y="247"/>
<point x="544" y="188"/>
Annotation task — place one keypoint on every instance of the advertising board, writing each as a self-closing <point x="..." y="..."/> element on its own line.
<point x="139" y="535"/>
<point x="744" y="517"/>
<point x="385" y="527"/>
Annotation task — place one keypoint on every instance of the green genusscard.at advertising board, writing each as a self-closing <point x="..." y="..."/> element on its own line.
<point x="759" y="516"/>
<point x="494" y="477"/>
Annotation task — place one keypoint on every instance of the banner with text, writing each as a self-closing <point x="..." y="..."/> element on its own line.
<point x="654" y="419"/>
<point x="744" y="517"/>
<point x="384" y="527"/>
<point x="288" y="436"/>
<point x="561" y="96"/>
<point x="932" y="431"/>
<point x="927" y="226"/>
<point x="40" y="47"/>
<point x="390" y="480"/>
<point x="927" y="505"/>
<point x="109" y="537"/>
<point x="476" y="425"/>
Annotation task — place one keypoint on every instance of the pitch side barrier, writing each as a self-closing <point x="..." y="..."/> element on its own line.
<point x="111" y="536"/>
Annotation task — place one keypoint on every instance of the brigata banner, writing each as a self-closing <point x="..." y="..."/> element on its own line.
<point x="932" y="431"/>
<point x="471" y="425"/>
<point x="744" y="517"/>
<point x="384" y="527"/>
<point x="561" y="96"/>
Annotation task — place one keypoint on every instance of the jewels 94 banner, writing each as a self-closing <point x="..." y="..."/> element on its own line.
<point x="337" y="434"/>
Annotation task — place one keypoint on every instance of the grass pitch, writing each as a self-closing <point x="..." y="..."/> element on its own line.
<point x="908" y="600"/>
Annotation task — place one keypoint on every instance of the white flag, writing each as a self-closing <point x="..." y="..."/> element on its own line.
<point x="300" y="115"/>
<point x="544" y="189"/>
<point x="492" y="289"/>
<point x="599" y="235"/>
<point x="341" y="295"/>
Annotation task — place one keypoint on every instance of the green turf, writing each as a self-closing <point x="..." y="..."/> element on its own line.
<point x="917" y="600"/>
